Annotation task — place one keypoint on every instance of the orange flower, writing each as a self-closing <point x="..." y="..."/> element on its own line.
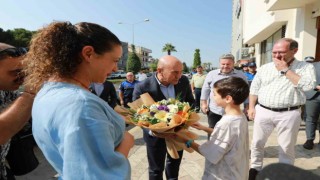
<point x="141" y="111"/>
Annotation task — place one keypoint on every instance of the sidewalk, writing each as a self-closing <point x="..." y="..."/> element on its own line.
<point x="192" y="164"/>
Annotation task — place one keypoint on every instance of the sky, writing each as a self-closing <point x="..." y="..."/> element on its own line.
<point x="186" y="24"/>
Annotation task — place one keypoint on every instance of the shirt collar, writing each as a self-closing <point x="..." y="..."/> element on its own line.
<point x="160" y="82"/>
<point x="293" y="62"/>
<point x="199" y="74"/>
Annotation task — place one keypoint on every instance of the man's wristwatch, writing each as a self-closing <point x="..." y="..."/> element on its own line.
<point x="284" y="71"/>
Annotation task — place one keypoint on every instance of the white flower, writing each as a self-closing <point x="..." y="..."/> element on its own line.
<point x="173" y="108"/>
<point x="154" y="108"/>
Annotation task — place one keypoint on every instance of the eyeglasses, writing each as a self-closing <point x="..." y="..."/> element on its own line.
<point x="14" y="52"/>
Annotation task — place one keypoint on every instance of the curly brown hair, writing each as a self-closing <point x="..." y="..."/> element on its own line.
<point x="55" y="50"/>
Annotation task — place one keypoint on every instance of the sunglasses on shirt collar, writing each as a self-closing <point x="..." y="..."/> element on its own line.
<point x="14" y="52"/>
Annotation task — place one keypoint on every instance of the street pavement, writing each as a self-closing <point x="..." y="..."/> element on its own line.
<point x="192" y="164"/>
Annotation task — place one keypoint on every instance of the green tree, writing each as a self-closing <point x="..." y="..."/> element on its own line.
<point x="169" y="48"/>
<point x="18" y="37"/>
<point x="185" y="67"/>
<point x="133" y="62"/>
<point x="153" y="65"/>
<point x="197" y="58"/>
<point x="22" y="37"/>
<point x="6" y="37"/>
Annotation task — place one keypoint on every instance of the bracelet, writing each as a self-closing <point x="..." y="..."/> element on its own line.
<point x="188" y="143"/>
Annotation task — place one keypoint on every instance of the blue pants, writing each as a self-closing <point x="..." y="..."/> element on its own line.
<point x="312" y="110"/>
<point x="197" y="93"/>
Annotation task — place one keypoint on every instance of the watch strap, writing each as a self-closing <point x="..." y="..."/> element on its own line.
<point x="284" y="71"/>
<point x="188" y="143"/>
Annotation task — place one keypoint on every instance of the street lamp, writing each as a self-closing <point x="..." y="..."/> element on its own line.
<point x="132" y="25"/>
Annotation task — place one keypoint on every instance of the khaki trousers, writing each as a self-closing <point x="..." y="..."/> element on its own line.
<point x="287" y="125"/>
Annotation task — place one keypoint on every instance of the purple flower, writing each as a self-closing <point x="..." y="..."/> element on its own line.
<point x="152" y="113"/>
<point x="163" y="107"/>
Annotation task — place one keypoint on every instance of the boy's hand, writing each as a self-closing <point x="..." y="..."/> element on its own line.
<point x="179" y="138"/>
<point x="197" y="125"/>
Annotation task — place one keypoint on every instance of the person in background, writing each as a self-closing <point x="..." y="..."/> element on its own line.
<point x="245" y="67"/>
<point x="227" y="151"/>
<point x="208" y="105"/>
<point x="252" y="70"/>
<point x="15" y="108"/>
<point x="79" y="134"/>
<point x="196" y="86"/>
<point x="105" y="91"/>
<point x="309" y="59"/>
<point x="126" y="89"/>
<point x="312" y="107"/>
<point x="141" y="75"/>
<point x="276" y="95"/>
<point x="193" y="71"/>
<point x="166" y="83"/>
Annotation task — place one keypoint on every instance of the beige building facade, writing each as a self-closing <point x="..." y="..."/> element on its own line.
<point x="144" y="55"/>
<point x="257" y="24"/>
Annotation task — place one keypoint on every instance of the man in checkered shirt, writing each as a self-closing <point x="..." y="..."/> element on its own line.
<point x="276" y="94"/>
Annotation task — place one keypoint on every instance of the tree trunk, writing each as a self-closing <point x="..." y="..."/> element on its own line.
<point x="169" y="52"/>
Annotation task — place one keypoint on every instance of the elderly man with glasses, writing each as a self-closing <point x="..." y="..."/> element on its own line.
<point x="13" y="117"/>
<point x="276" y="95"/>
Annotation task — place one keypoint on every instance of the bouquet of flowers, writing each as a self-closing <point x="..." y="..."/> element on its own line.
<point x="166" y="116"/>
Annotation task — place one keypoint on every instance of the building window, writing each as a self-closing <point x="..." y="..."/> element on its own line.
<point x="238" y="9"/>
<point x="266" y="45"/>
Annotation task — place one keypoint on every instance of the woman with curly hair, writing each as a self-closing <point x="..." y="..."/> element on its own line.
<point x="80" y="135"/>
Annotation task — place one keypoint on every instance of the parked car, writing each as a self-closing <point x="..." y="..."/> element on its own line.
<point x="148" y="74"/>
<point x="188" y="75"/>
<point x="118" y="75"/>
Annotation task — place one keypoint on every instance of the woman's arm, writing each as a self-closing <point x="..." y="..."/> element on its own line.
<point x="126" y="144"/>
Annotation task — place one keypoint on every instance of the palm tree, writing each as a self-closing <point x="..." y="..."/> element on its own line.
<point x="169" y="48"/>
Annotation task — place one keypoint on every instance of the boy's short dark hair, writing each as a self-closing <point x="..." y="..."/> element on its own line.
<point x="236" y="87"/>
